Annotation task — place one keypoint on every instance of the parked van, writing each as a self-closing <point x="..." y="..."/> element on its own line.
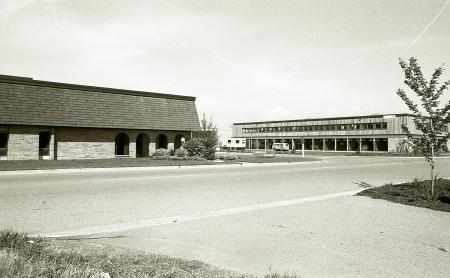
<point x="280" y="147"/>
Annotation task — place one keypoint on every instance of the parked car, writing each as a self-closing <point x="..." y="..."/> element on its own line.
<point x="280" y="147"/>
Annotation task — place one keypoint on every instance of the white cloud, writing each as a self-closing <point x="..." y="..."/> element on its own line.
<point x="240" y="68"/>
<point x="9" y="7"/>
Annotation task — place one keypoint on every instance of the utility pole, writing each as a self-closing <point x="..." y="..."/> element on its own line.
<point x="303" y="147"/>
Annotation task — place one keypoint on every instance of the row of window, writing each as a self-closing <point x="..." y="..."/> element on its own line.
<point x="237" y="141"/>
<point x="365" y="126"/>
<point x="44" y="144"/>
<point x="122" y="142"/>
<point x="322" y="144"/>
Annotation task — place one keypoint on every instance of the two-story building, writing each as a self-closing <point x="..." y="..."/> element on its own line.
<point x="371" y="133"/>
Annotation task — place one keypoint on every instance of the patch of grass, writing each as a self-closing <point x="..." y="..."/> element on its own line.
<point x="415" y="193"/>
<point x="441" y="154"/>
<point x="95" y="163"/>
<point x="23" y="256"/>
<point x="15" y="165"/>
<point x="277" y="159"/>
<point x="285" y="275"/>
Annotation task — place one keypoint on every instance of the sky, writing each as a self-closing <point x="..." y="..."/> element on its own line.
<point x="252" y="60"/>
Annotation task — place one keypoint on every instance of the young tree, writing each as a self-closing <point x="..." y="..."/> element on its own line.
<point x="432" y="119"/>
<point x="209" y="136"/>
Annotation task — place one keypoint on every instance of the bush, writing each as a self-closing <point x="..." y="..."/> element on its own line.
<point x="181" y="152"/>
<point x="208" y="136"/>
<point x="210" y="153"/>
<point x="195" y="147"/>
<point x="227" y="156"/>
<point x="161" y="153"/>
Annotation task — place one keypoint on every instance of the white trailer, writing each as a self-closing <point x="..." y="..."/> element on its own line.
<point x="235" y="144"/>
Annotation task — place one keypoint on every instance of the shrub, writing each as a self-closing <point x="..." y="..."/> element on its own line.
<point x="210" y="153"/>
<point x="208" y="136"/>
<point x="181" y="152"/>
<point x="195" y="147"/>
<point x="161" y="153"/>
<point x="171" y="152"/>
<point x="227" y="156"/>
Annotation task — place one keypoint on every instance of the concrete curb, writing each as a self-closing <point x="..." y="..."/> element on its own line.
<point x="177" y="219"/>
<point x="150" y="168"/>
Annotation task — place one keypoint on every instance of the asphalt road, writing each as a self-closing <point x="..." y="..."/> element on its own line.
<point x="286" y="218"/>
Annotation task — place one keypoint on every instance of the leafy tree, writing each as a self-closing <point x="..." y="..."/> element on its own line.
<point x="194" y="147"/>
<point x="431" y="119"/>
<point x="209" y="136"/>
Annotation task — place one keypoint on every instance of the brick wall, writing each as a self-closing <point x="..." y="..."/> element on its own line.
<point x="88" y="143"/>
<point x="78" y="143"/>
<point x="23" y="143"/>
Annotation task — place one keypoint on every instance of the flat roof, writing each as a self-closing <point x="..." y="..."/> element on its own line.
<point x="324" y="119"/>
<point x="30" y="81"/>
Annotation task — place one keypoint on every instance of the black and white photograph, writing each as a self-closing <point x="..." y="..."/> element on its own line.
<point x="224" y="138"/>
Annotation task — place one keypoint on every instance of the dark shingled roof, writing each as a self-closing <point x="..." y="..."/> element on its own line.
<point x="24" y="101"/>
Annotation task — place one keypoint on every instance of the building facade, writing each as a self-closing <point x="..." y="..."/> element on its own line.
<point x="373" y="133"/>
<point x="49" y="120"/>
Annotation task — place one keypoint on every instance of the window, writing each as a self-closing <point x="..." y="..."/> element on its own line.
<point x="143" y="143"/>
<point x="122" y="144"/>
<point x="229" y="141"/>
<point x="162" y="142"/>
<point x="237" y="141"/>
<point x="44" y="145"/>
<point x="3" y="144"/>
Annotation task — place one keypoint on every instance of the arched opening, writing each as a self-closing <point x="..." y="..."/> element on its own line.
<point x="44" y="145"/>
<point x="179" y="141"/>
<point x="161" y="141"/>
<point x="122" y="144"/>
<point x="3" y="145"/>
<point x="142" y="144"/>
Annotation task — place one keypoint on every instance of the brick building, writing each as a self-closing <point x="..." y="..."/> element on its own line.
<point x="49" y="120"/>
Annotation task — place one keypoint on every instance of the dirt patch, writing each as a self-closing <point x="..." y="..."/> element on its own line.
<point x="415" y="193"/>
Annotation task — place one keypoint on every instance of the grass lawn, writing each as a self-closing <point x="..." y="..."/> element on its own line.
<point x="442" y="154"/>
<point x="415" y="193"/>
<point x="14" y="165"/>
<point x="21" y="256"/>
<point x="94" y="163"/>
<point x="277" y="159"/>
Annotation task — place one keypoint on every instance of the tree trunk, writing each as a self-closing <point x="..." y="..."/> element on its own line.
<point x="432" y="180"/>
<point x="432" y="167"/>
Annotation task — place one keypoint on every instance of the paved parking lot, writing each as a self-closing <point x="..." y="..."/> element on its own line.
<point x="251" y="219"/>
